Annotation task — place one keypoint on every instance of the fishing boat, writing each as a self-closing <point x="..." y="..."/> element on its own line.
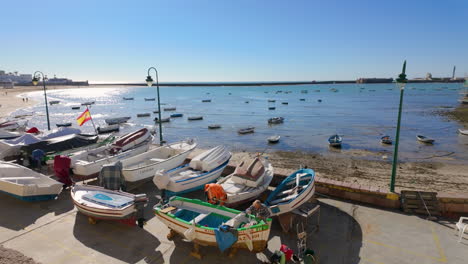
<point x="150" y="99"/>
<point x="163" y="120"/>
<point x="88" y="163"/>
<point x="206" y="101"/>
<point x="61" y="143"/>
<point x="54" y="102"/>
<point x="246" y="102"/>
<point x="169" y="109"/>
<point x="335" y="141"/>
<point x="302" y="99"/>
<point x="425" y="139"/>
<point x="64" y="124"/>
<point x="386" y="140"/>
<point x="75" y="107"/>
<point x="274" y="139"/>
<point x="26" y="184"/>
<point x="88" y="103"/>
<point x="202" y="169"/>
<point x="198" y="221"/>
<point x="246" y="130"/>
<point x="271" y="101"/>
<point x="293" y="192"/>
<point x="108" y="129"/>
<point x="99" y="203"/>
<point x="250" y="179"/>
<point x="463" y="131"/>
<point x="195" y="118"/>
<point x="285" y="103"/>
<point x="117" y="120"/>
<point x="214" y="126"/>
<point x="177" y="115"/>
<point x="145" y="165"/>
<point x="13" y="125"/>
<point x="271" y="108"/>
<point x="319" y="100"/>
<point x="8" y="135"/>
<point x="276" y="120"/>
<point x="143" y="114"/>
<point x="128" y="98"/>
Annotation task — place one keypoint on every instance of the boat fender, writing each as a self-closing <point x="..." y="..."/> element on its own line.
<point x="190" y="233"/>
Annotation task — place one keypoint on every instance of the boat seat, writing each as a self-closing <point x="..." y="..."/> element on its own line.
<point x="157" y="160"/>
<point x="285" y="199"/>
<point x="293" y="190"/>
<point x="200" y="217"/>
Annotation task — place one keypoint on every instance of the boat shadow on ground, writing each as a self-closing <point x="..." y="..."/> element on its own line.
<point x="339" y="240"/>
<point x="129" y="244"/>
<point x="21" y="214"/>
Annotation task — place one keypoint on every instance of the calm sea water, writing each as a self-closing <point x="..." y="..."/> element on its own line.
<point x="360" y="113"/>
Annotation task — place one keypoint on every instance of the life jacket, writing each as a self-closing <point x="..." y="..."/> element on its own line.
<point x="215" y="194"/>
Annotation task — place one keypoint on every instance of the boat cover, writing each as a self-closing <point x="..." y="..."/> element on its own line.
<point x="108" y="199"/>
<point x="60" y="143"/>
<point x="210" y="159"/>
<point x="249" y="172"/>
<point x="33" y="130"/>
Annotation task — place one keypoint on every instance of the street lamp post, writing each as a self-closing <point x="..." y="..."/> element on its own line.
<point x="149" y="82"/>
<point x="401" y="82"/>
<point x="35" y="80"/>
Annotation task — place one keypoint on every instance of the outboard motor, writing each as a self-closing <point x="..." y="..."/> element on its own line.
<point x="140" y="203"/>
<point x="62" y="170"/>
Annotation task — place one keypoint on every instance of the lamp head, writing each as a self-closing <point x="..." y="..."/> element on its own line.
<point x="35" y="80"/>
<point x="149" y="81"/>
<point x="401" y="80"/>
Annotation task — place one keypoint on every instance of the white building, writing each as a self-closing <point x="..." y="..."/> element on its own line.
<point x="14" y="77"/>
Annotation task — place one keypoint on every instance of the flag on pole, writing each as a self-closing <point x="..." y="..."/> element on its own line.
<point x="85" y="116"/>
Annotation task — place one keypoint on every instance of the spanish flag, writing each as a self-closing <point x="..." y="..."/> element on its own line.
<point x="85" y="116"/>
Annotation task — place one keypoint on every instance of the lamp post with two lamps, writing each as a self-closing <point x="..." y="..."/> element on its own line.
<point x="35" y="81"/>
<point x="149" y="82"/>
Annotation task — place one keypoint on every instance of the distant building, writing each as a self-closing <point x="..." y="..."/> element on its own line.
<point x="428" y="76"/>
<point x="7" y="85"/>
<point x="374" y="80"/>
<point x="15" y="77"/>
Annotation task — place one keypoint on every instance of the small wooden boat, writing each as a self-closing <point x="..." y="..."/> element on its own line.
<point x="246" y="102"/>
<point x="150" y="99"/>
<point x="271" y="108"/>
<point x="463" y="131"/>
<point x="88" y="103"/>
<point x="285" y="103"/>
<point x="169" y="109"/>
<point x="250" y="179"/>
<point x="386" y="140"/>
<point x="54" y="102"/>
<point x="143" y="114"/>
<point x="117" y="120"/>
<point x="198" y="221"/>
<point x="163" y="120"/>
<point x="145" y="165"/>
<point x="335" y="141"/>
<point x="195" y="118"/>
<point x="75" y="107"/>
<point x="425" y="139"/>
<point x="64" y="124"/>
<point x="26" y="184"/>
<point x="276" y="120"/>
<point x="274" y="139"/>
<point x="319" y="100"/>
<point x="177" y="115"/>
<point x="202" y="169"/>
<point x="293" y="192"/>
<point x="214" y="126"/>
<point x="463" y="101"/>
<point x="108" y="129"/>
<point x="128" y="98"/>
<point x="246" y="130"/>
<point x="302" y="99"/>
<point x="271" y="101"/>
<point x="99" y="203"/>
<point x="206" y="101"/>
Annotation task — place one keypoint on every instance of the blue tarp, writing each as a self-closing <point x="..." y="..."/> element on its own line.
<point x="226" y="236"/>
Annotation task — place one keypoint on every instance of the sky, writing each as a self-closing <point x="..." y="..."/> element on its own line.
<point x="241" y="40"/>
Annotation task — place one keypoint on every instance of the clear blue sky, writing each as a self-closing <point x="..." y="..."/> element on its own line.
<point x="242" y="40"/>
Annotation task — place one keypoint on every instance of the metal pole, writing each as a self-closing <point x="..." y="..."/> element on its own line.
<point x="161" y="141"/>
<point x="45" y="98"/>
<point x="397" y="139"/>
<point x="92" y="121"/>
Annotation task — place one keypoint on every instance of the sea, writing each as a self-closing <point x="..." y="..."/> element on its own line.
<point x="360" y="113"/>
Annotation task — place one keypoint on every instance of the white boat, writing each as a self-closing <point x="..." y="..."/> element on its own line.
<point x="276" y="120"/>
<point x="145" y="165"/>
<point x="250" y="179"/>
<point x="89" y="162"/>
<point x="117" y="120"/>
<point x="8" y="135"/>
<point x="246" y="130"/>
<point x="463" y="131"/>
<point x="335" y="141"/>
<point x="202" y="169"/>
<point x="196" y="221"/>
<point x="26" y="184"/>
<point x="274" y="139"/>
<point x="99" y="203"/>
<point x="294" y="191"/>
<point x="425" y="139"/>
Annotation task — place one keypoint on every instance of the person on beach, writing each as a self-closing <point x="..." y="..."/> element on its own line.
<point x="259" y="210"/>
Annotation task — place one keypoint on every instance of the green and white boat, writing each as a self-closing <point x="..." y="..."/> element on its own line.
<point x="197" y="221"/>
